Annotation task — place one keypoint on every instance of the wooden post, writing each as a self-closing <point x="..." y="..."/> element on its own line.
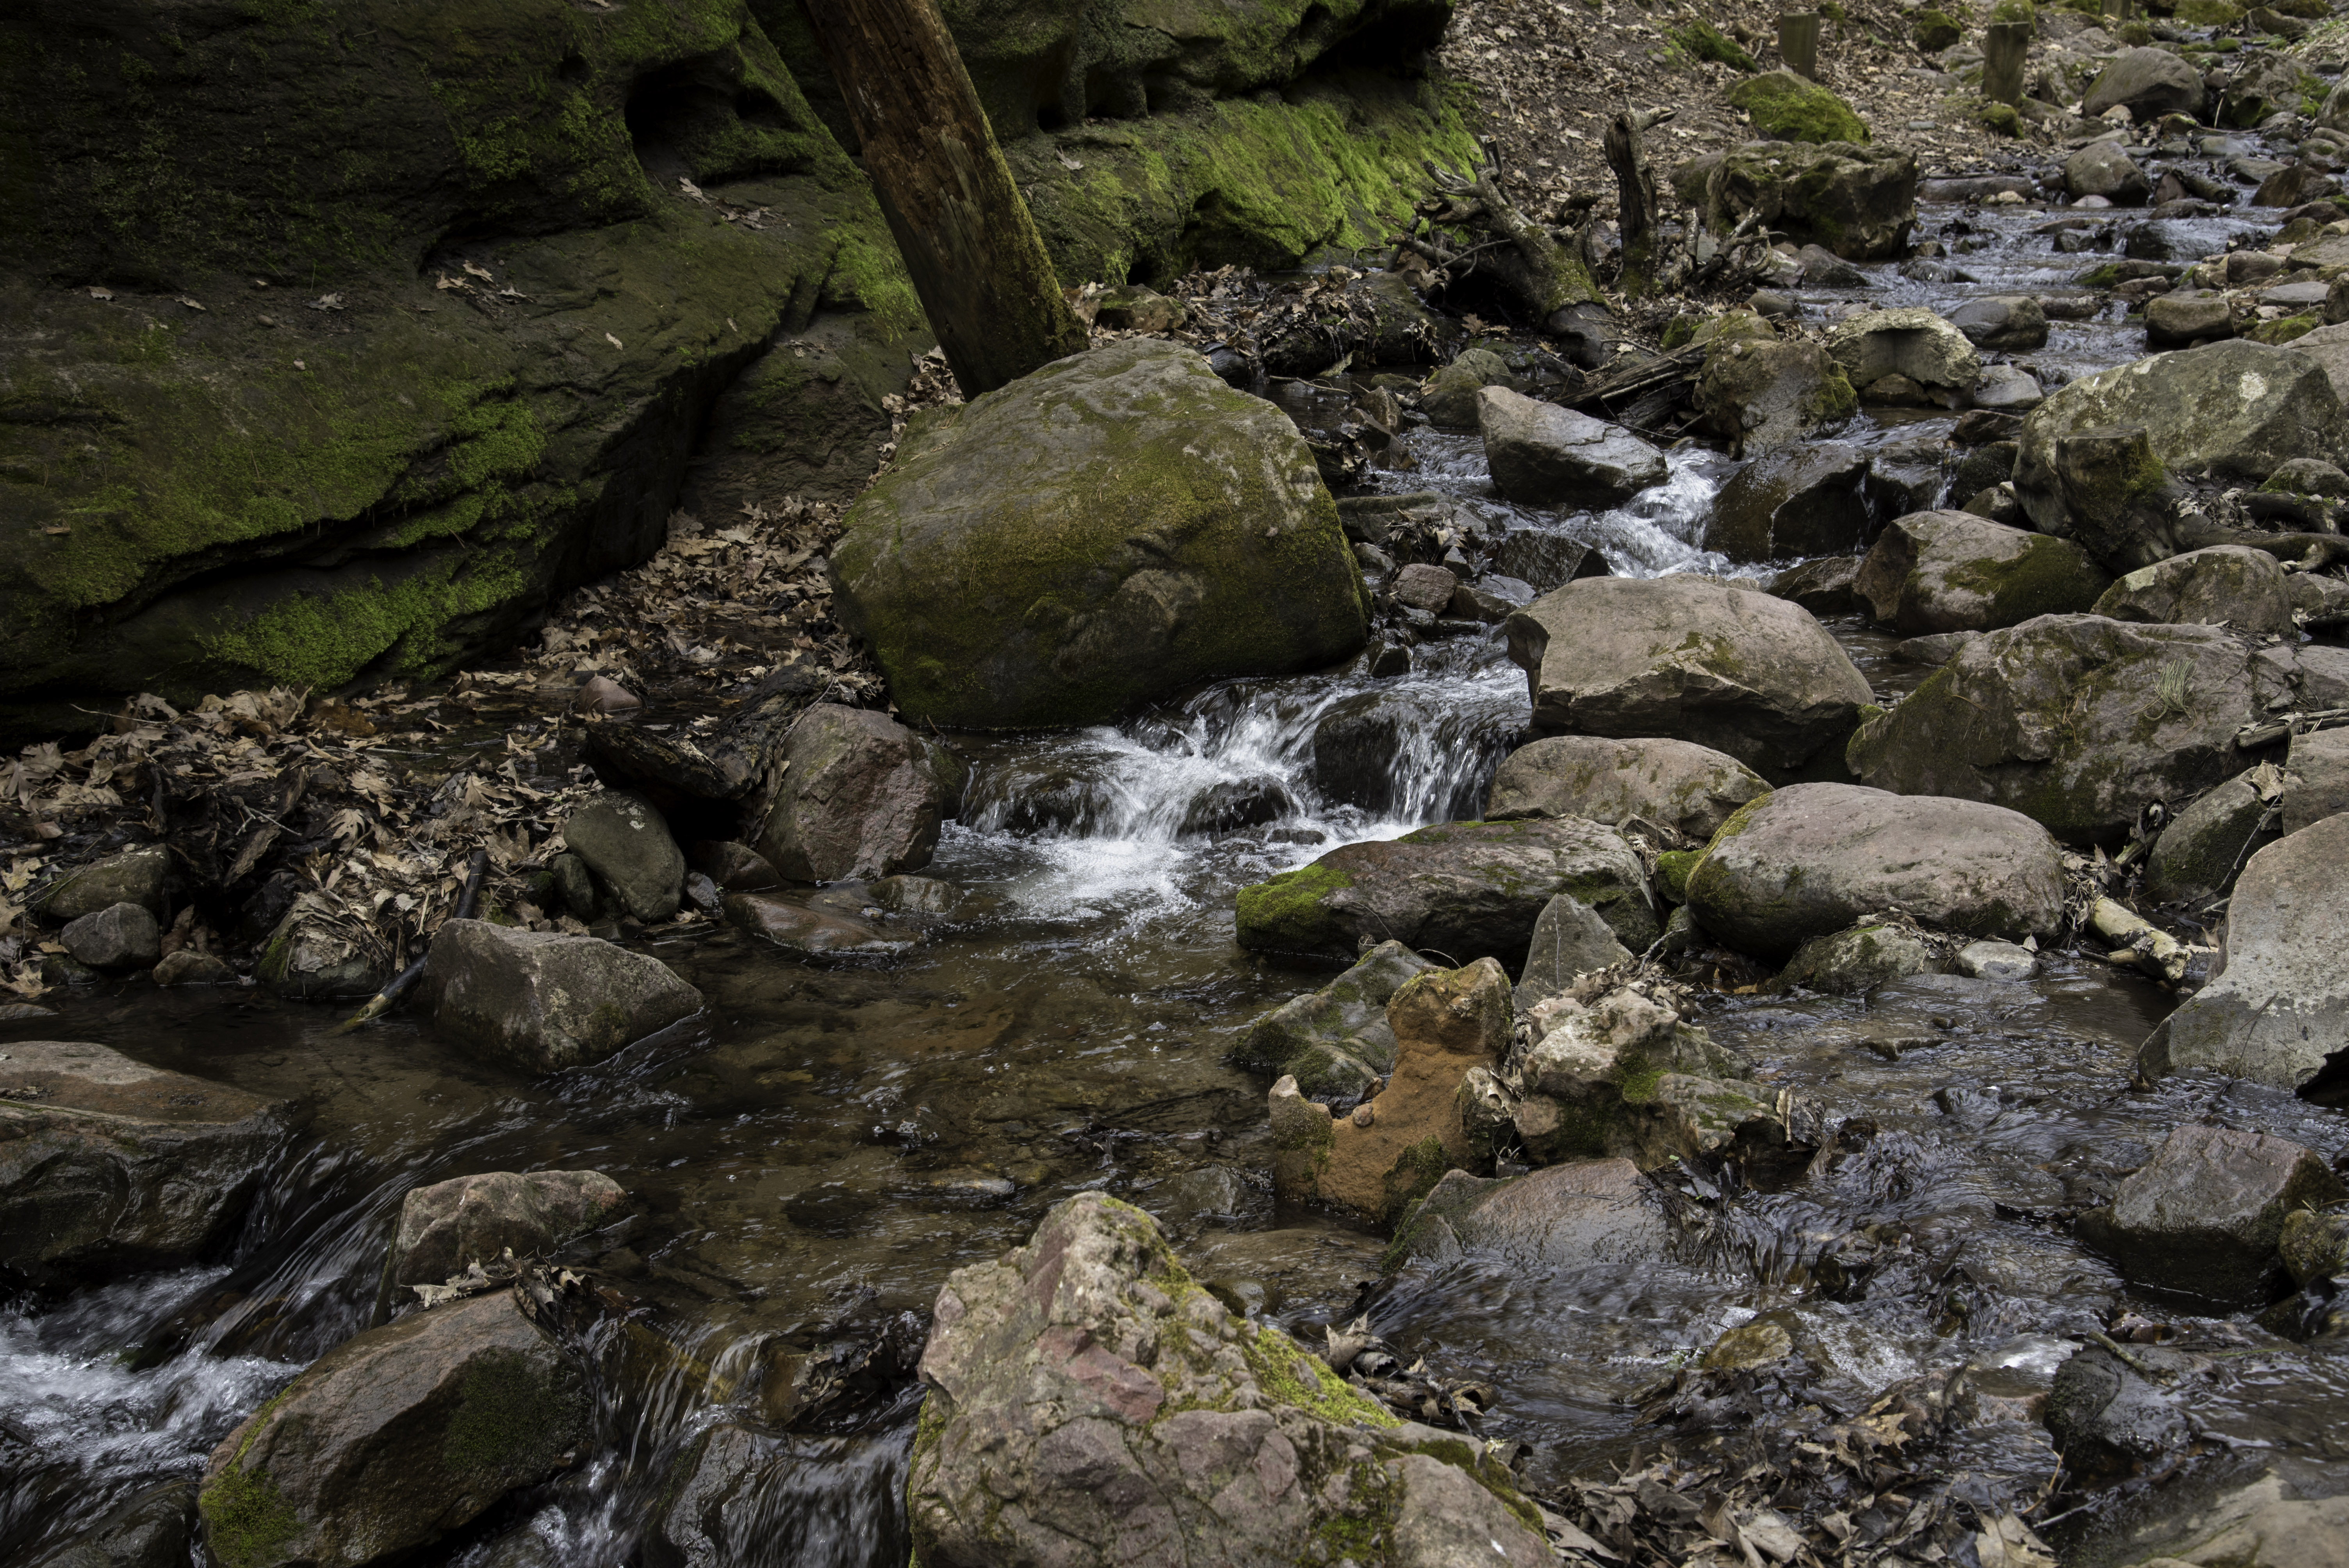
<point x="1798" y="43"/>
<point x="967" y="236"/>
<point x="2121" y="10"/>
<point x="2005" y="47"/>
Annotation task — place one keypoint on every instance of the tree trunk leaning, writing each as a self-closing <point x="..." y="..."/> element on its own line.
<point x="976" y="258"/>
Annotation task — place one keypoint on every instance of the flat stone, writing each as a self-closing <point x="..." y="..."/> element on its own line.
<point x="1676" y="784"/>
<point x="814" y="927"/>
<point x="544" y="1001"/>
<point x="1996" y="961"/>
<point x="1582" y="1214"/>
<point x="1543" y="455"/>
<point x="475" y="1219"/>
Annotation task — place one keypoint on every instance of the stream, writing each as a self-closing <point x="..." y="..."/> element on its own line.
<point x="811" y="1156"/>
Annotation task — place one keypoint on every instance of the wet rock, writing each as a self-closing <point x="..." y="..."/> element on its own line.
<point x="2205" y="1216"/>
<point x="1208" y="1192"/>
<point x="2063" y="718"/>
<point x="119" y="937"/>
<point x="541" y="1001"/>
<point x="394" y="1438"/>
<point x="2315" y="777"/>
<point x="628" y="845"/>
<point x="1237" y="803"/>
<point x="817" y="927"/>
<point x="1207" y="546"/>
<point x="1996" y="961"/>
<point x="1859" y="959"/>
<point x="2205" y="846"/>
<point x="862" y="796"/>
<point x="1936" y="650"/>
<point x="1912" y="342"/>
<point x="2006" y="387"/>
<point x="1795" y="501"/>
<point x="1823" y="587"/>
<point x="1449" y="398"/>
<point x="1857" y="201"/>
<point x="109" y="1164"/>
<point x="1822" y="269"/>
<point x="1988" y="463"/>
<point x="2106" y="1417"/>
<point x="1546" y="560"/>
<point x="189" y="967"/>
<point x="320" y="952"/>
<point x="2182" y="318"/>
<point x="1952" y="572"/>
<point x="2105" y="169"/>
<point x="1812" y="859"/>
<point x="2279" y="1004"/>
<point x="2314" y="1243"/>
<point x="734" y="1492"/>
<point x="2225" y="585"/>
<point x="153" y="1527"/>
<point x="2255" y="1528"/>
<point x="1583" y="1214"/>
<point x="1083" y="1389"/>
<point x="1543" y="455"/>
<point x="1471" y="890"/>
<point x="1489" y="600"/>
<point x="1569" y="941"/>
<point x="1724" y="667"/>
<point x="2148" y="83"/>
<point x="916" y="895"/>
<point x="1420" y="586"/>
<point x="1335" y="1041"/>
<point x="1760" y="397"/>
<point x="130" y="876"/>
<point x="1354" y="748"/>
<point x="474" y="1219"/>
<point x="1676" y="784"/>
<point x="2005" y="323"/>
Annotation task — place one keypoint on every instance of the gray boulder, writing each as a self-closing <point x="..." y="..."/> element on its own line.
<point x="1760" y="397"/>
<point x="2004" y="323"/>
<point x="2315" y="778"/>
<point x="2204" y="1217"/>
<point x="628" y="845"/>
<point x="1858" y="202"/>
<point x="542" y="1001"/>
<point x="119" y="937"/>
<point x="823" y="927"/>
<point x="1114" y="527"/>
<point x="2225" y="585"/>
<point x="320" y="952"/>
<point x="2329" y="346"/>
<point x="1995" y="961"/>
<point x="1823" y="587"/>
<point x="1625" y="1075"/>
<point x="474" y="1219"/>
<point x="1810" y="859"/>
<point x="1335" y="1042"/>
<point x="2064" y="719"/>
<point x="109" y="1164"/>
<point x="1909" y="341"/>
<point x="130" y="876"/>
<point x="2184" y="317"/>
<point x="862" y="796"/>
<point x="2106" y="1417"/>
<point x="2009" y="390"/>
<point x="394" y="1438"/>
<point x="1582" y="1214"/>
<point x="1676" y="784"/>
<point x="2105" y="169"/>
<point x="1859" y="959"/>
<point x="1543" y="455"/>
<point x="2148" y="83"/>
<point x="2278" y="1003"/>
<point x="1468" y="889"/>
<point x="151" y="1528"/>
<point x="2257" y="1527"/>
<point x="1569" y="941"/>
<point x="2206" y="846"/>
<point x="1935" y="572"/>
<point x="1449" y="398"/>
<point x="1090" y="1404"/>
<point x="1737" y="671"/>
<point x="1809" y="500"/>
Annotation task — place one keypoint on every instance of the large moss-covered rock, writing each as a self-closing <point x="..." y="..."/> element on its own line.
<point x="1792" y="107"/>
<point x="2205" y="847"/>
<point x="1910" y="341"/>
<point x="1953" y="572"/>
<point x="1857" y="201"/>
<point x="1800" y="500"/>
<point x="1114" y="526"/>
<point x="1762" y="397"/>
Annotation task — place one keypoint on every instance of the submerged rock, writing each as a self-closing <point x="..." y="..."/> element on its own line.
<point x="153" y="1527"/>
<point x="1090" y="1404"/>
<point x="469" y="1219"/>
<point x="2106" y="1417"/>
<point x="109" y="1164"/>
<point x="1741" y="672"/>
<point x="541" y="1001"/>
<point x="1114" y="526"/>
<point x="1335" y="1041"/>
<point x="2204" y="1217"/>
<point x="862" y="797"/>
<point x="1543" y="455"/>
<point x="1862" y="958"/>
<point x="821" y="926"/>
<point x="2226" y="584"/>
<point x="394" y="1438"/>
<point x="628" y="845"/>
<point x="1935" y="572"/>
<point x="1676" y="784"/>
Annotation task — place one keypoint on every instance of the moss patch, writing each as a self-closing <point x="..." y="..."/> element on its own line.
<point x="514" y="1418"/>
<point x="1701" y="40"/>
<point x="1785" y="107"/>
<point x="246" y="1518"/>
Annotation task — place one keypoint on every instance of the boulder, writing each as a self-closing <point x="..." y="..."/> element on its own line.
<point x="2314" y="1243"/>
<point x="189" y="967"/>
<point x="323" y="952"/>
<point x="1952" y="572"/>
<point x="396" y="1438"/>
<point x="1996" y="961"/>
<point x="628" y="845"/>
<point x="1792" y="107"/>
<point x="1544" y="561"/>
<point x="2148" y="83"/>
<point x="2262" y="84"/>
<point x="1810" y="859"/>
<point x="1860" y="959"/>
<point x="732" y="867"/>
<point x="1569" y="941"/>
<point x="2223" y="586"/>
<point x="2315" y="778"/>
<point x="2004" y="323"/>
<point x="2105" y="169"/>
<point x="2184" y="317"/>
<point x="2329" y="346"/>
<point x="2278" y="1005"/>
<point x="1449" y="398"/>
<point x="2008" y="388"/>
<point x="2106" y="1417"/>
<point x="2232" y="410"/>
<point x="475" y="1219"/>
<point x="862" y="796"/>
<point x="1793" y="501"/>
<point x="1088" y="1404"/>
<point x="151" y="1528"/>
<point x="1676" y="784"/>
<point x="1909" y="341"/>
<point x="1726" y="667"/>
<point x="1857" y="201"/>
<point x="2063" y="718"/>
<point x="129" y="876"/>
<point x="2204" y="1217"/>
<point x="541" y="1001"/>
<point x="1589" y="1213"/>
<point x="1470" y="890"/>
<point x="1824" y="587"/>
<point x="2205" y="847"/>
<point x="1116" y="526"/>
<point x="1543" y="455"/>
<point x="821" y="928"/>
<point x="108" y="1164"/>
<point x="1334" y="1042"/>
<point x="1761" y="396"/>
<point x="2254" y="1528"/>
<point x="119" y="937"/>
<point x="1423" y="586"/>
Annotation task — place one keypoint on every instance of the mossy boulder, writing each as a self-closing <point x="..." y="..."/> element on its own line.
<point x="1111" y="528"/>
<point x="1314" y="1036"/>
<point x="1678" y="784"/>
<point x="2204" y="847"/>
<point x="1953" y="572"/>
<point x="394" y="1438"/>
<point x="1858" y="202"/>
<point x="1859" y="959"/>
<point x="1701" y="40"/>
<point x="1934" y="31"/>
<point x="1763" y="397"/>
<point x="1790" y="107"/>
<point x="2229" y="584"/>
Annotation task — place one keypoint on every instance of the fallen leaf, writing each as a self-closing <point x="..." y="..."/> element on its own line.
<point x="481" y="272"/>
<point x="446" y="282"/>
<point x="191" y="305"/>
<point x="615" y="342"/>
<point x="97" y="292"/>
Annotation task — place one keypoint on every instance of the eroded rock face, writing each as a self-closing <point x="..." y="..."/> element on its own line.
<point x="1740" y="672"/>
<point x="1335" y="1041"/>
<point x="1116" y="525"/>
<point x="469" y="1219"/>
<point x="2226" y="584"/>
<point x="394" y="1438"/>
<point x="1088" y="1404"/>
<point x="863" y="796"/>
<point x="1811" y="859"/>
<point x="1761" y="396"/>
<point x="1809" y="500"/>
<point x="1676" y="784"/>
<point x="1543" y="455"/>
<point x="1953" y="572"/>
<point x="2205" y="1216"/>
<point x="544" y="1001"/>
<point x="107" y="1163"/>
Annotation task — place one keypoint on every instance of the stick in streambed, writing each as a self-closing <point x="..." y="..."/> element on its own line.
<point x="383" y="1001"/>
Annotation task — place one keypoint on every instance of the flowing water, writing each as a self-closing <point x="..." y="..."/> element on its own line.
<point x="812" y="1155"/>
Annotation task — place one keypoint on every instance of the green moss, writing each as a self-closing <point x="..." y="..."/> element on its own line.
<point x="1672" y="868"/>
<point x="1701" y="40"/>
<point x="1284" y="913"/>
<point x="1934" y="31"/>
<point x="2014" y="11"/>
<point x="513" y="1420"/>
<point x="246" y="1518"/>
<point x="2000" y="118"/>
<point x="2209" y="13"/>
<point x="2051" y="577"/>
<point x="1290" y="1376"/>
<point x="395" y="624"/>
<point x="1785" y="107"/>
<point x="2284" y="329"/>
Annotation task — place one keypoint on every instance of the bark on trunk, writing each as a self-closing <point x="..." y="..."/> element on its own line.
<point x="1635" y="191"/>
<point x="973" y="250"/>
